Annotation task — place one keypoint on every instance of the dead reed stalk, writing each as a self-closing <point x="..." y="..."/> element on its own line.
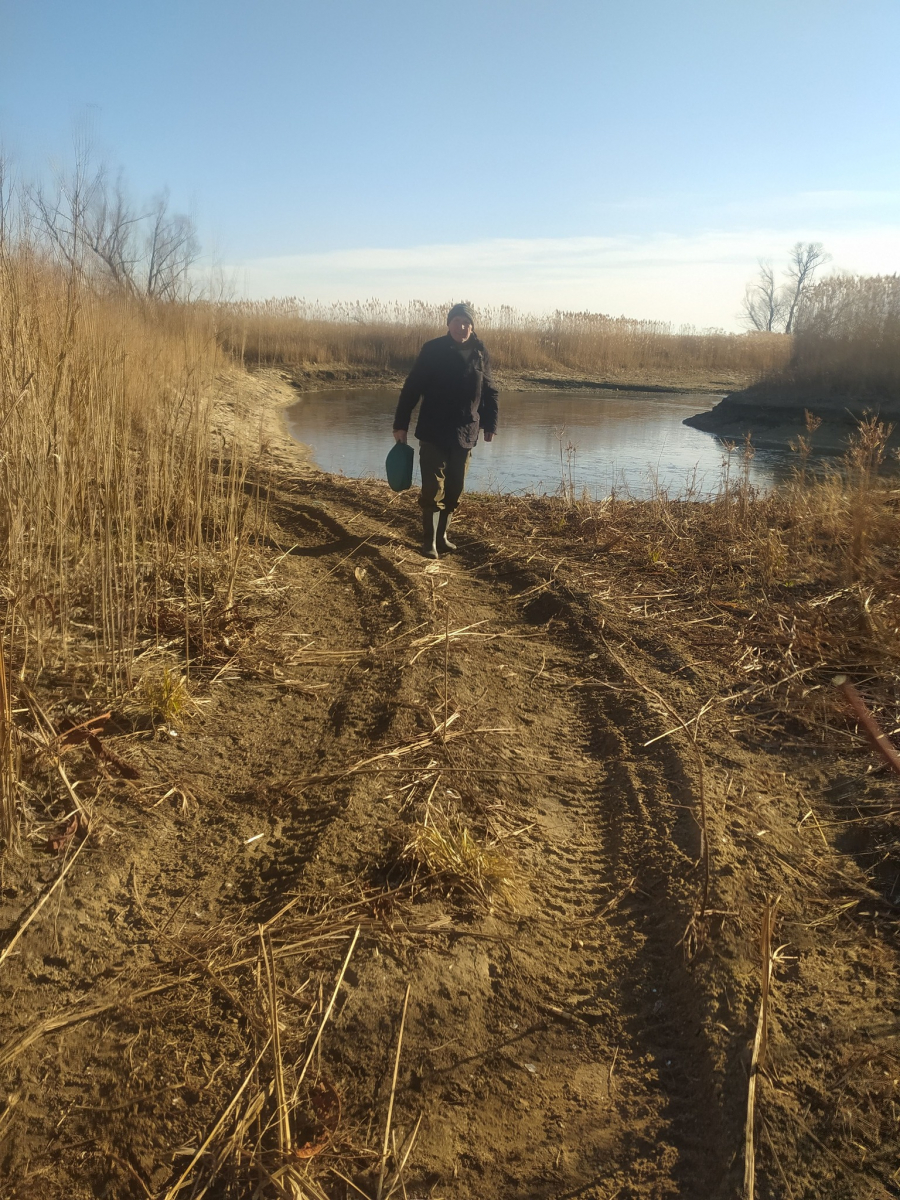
<point x="876" y="735"/>
<point x="446" y="674"/>
<point x="390" y="1112"/>
<point x="760" y="1041"/>
<point x="9" y="826"/>
<point x="281" y="1109"/>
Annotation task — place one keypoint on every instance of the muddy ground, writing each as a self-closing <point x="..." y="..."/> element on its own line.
<point x="584" y="982"/>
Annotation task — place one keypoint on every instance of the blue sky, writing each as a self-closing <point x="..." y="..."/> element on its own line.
<point x="623" y="157"/>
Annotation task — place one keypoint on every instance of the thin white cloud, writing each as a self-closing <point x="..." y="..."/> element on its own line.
<point x="846" y="200"/>
<point x="841" y="209"/>
<point x="697" y="280"/>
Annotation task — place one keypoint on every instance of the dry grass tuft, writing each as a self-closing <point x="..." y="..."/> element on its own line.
<point x="445" y="847"/>
<point x="166" y="695"/>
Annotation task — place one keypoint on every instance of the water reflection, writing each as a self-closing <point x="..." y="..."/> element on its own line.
<point x="630" y="442"/>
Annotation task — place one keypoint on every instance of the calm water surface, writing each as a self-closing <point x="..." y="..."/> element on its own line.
<point x="632" y="442"/>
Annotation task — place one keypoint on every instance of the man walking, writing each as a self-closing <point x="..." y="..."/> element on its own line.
<point x="452" y="377"/>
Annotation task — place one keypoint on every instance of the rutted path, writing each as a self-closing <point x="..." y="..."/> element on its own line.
<point x="557" y="1043"/>
<point x="551" y="1048"/>
<point x="564" y="1054"/>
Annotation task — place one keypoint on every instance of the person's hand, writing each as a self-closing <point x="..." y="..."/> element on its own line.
<point x="488" y="437"/>
<point x="400" y="436"/>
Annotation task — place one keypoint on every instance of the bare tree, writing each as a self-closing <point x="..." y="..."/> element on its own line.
<point x="62" y="214"/>
<point x="763" y="306"/>
<point x="776" y="308"/>
<point x="111" y="234"/>
<point x="171" y="250"/>
<point x="805" y="260"/>
<point x="95" y="229"/>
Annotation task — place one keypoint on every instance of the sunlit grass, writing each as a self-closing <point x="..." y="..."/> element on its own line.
<point x="112" y="508"/>
<point x="387" y="337"/>
<point x="457" y="860"/>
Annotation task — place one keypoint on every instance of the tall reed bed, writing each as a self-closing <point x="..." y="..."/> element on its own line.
<point x="387" y="337"/>
<point x="110" y="506"/>
<point x="848" y="339"/>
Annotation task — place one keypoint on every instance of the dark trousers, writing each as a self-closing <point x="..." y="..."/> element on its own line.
<point x="443" y="476"/>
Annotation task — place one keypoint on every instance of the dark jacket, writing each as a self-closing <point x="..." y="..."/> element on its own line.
<point x="458" y="397"/>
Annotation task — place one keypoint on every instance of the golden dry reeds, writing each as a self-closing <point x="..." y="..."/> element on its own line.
<point x="848" y="339"/>
<point x="386" y="337"/>
<point x="111" y="508"/>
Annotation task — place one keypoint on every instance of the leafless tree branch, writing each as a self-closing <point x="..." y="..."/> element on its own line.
<point x="804" y="261"/>
<point x="763" y="306"/>
<point x="96" y="231"/>
<point x="777" y="309"/>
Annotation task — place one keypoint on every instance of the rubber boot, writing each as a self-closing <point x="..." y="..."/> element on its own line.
<point x="429" y="534"/>
<point x="443" y="542"/>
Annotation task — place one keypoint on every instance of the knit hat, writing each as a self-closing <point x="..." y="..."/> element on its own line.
<point x="462" y="310"/>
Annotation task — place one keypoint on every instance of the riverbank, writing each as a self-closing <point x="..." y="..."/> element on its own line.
<point x="775" y="415"/>
<point x="311" y="377"/>
<point x="485" y="844"/>
<point x="373" y="339"/>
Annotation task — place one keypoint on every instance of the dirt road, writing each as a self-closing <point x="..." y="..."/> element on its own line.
<point x="584" y="984"/>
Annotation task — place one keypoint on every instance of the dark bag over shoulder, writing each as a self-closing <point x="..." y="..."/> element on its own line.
<point x="399" y="466"/>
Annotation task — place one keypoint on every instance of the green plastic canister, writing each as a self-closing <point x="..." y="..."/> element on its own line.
<point x="399" y="466"/>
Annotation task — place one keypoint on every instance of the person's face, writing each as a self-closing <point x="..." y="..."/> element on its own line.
<point x="460" y="329"/>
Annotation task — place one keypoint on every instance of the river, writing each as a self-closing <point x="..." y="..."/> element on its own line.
<point x="592" y="443"/>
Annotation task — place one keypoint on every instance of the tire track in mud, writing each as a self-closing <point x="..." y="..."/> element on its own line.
<point x="646" y="813"/>
<point x="627" y="987"/>
<point x="192" y="865"/>
<point x="356" y="709"/>
<point x="365" y="701"/>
